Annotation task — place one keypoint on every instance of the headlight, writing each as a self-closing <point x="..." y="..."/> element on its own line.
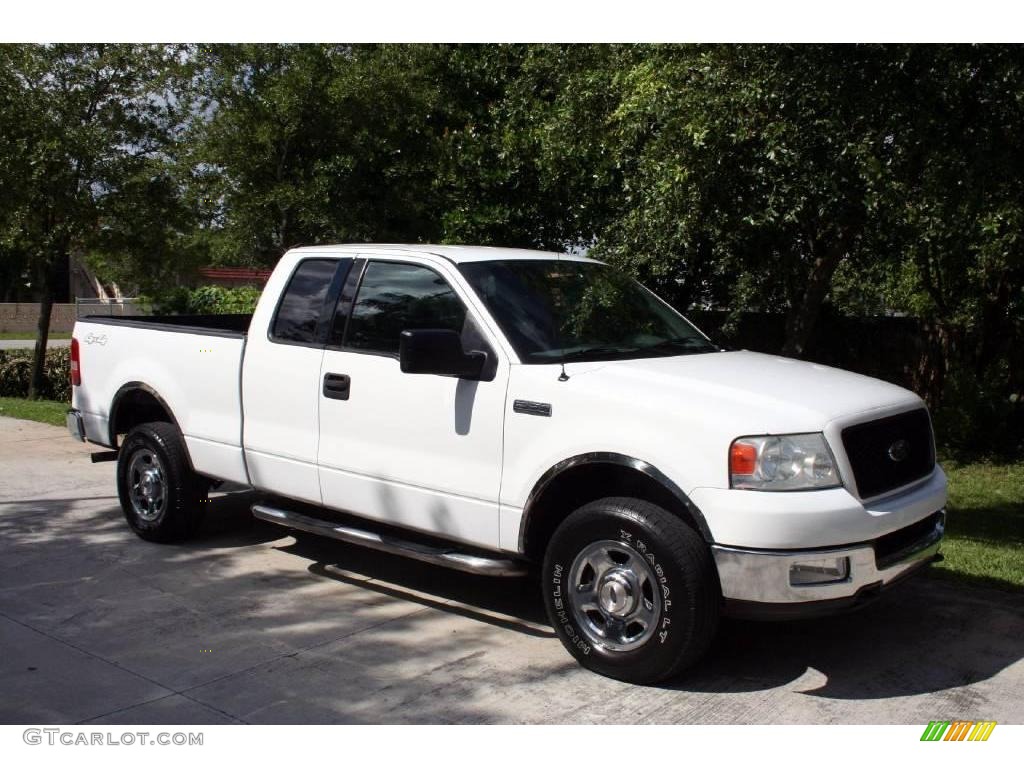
<point x="782" y="463"/>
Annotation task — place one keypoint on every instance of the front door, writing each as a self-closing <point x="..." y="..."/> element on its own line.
<point x="413" y="450"/>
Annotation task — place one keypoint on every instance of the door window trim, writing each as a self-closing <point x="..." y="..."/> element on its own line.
<point x="344" y="304"/>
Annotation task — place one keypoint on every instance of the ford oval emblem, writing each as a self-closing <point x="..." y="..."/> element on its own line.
<point x="898" y="451"/>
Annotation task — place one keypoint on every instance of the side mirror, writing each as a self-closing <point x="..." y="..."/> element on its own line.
<point x="438" y="352"/>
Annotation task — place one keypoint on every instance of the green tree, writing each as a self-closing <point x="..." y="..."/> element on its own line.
<point x="526" y="159"/>
<point x="299" y="144"/>
<point x="302" y="144"/>
<point x="954" y="208"/>
<point x="749" y="173"/>
<point x="85" y="133"/>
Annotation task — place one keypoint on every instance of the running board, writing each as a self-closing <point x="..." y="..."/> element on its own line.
<point x="450" y="558"/>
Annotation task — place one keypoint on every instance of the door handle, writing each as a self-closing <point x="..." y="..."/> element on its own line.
<point x="337" y="386"/>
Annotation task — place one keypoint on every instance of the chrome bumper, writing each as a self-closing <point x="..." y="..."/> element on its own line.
<point x="766" y="577"/>
<point x="76" y="426"/>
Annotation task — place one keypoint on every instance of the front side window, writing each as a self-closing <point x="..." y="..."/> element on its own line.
<point x="554" y="310"/>
<point x="396" y="297"/>
<point x="302" y="304"/>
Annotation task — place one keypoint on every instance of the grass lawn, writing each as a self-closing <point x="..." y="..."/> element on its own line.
<point x="985" y="524"/>
<point x="46" y="411"/>
<point x="9" y="335"/>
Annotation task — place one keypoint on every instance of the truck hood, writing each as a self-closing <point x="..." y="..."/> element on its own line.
<point x="777" y="392"/>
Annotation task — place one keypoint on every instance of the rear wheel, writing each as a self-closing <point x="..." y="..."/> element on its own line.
<point x="160" y="494"/>
<point x="631" y="590"/>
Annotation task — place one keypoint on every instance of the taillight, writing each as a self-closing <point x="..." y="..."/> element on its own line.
<point x="76" y="367"/>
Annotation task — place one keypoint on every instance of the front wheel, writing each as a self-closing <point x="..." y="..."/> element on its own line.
<point x="631" y="590"/>
<point x="160" y="494"/>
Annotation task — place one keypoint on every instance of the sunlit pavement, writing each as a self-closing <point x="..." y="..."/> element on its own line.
<point x="248" y="624"/>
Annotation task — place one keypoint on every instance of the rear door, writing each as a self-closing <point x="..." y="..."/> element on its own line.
<point x="281" y="381"/>
<point x="420" y="451"/>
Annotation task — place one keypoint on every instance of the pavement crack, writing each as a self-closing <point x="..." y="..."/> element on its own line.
<point x="88" y="653"/>
<point x="228" y="715"/>
<point x="297" y="652"/>
<point x="125" y="708"/>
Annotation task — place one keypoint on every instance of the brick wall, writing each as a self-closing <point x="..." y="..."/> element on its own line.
<point x="23" y="317"/>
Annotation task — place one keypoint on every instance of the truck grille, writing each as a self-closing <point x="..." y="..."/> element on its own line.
<point x="891" y="452"/>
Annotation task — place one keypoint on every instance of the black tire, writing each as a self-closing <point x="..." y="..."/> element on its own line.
<point x="160" y="445"/>
<point x="685" y="608"/>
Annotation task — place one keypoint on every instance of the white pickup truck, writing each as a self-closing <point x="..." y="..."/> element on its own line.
<point x="488" y="409"/>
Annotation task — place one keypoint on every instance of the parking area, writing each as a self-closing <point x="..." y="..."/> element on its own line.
<point x="251" y="624"/>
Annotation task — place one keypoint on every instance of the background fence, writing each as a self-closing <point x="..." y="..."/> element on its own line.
<point x="890" y="348"/>
<point x="22" y="317"/>
<point x="121" y="307"/>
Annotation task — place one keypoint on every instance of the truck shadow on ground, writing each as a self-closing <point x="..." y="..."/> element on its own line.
<point x="928" y="635"/>
<point x="925" y="636"/>
<point x="287" y="638"/>
<point x="510" y="603"/>
<point x="79" y="593"/>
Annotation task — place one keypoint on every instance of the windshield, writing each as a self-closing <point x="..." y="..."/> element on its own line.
<point x="579" y="311"/>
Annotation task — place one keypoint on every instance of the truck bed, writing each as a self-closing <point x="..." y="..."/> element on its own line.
<point x="209" y="325"/>
<point x="193" y="362"/>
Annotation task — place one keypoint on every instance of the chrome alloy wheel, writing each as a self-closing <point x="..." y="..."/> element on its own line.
<point x="147" y="485"/>
<point x="613" y="594"/>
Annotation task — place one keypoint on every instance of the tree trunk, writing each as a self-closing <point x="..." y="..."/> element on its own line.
<point x="803" y="315"/>
<point x="929" y="376"/>
<point x="38" y="381"/>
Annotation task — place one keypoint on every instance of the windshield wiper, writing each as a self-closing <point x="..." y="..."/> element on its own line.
<point x="682" y="345"/>
<point x="601" y="353"/>
<point x="687" y="345"/>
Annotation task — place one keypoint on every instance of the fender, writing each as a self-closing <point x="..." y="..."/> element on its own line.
<point x="125" y="389"/>
<point x="601" y="457"/>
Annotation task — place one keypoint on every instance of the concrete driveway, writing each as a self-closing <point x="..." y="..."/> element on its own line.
<point x="249" y="624"/>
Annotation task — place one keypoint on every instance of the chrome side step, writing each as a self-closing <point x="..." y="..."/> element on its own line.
<point x="450" y="558"/>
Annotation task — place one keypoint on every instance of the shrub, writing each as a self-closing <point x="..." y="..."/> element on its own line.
<point x="208" y="300"/>
<point x="977" y="419"/>
<point x="16" y="373"/>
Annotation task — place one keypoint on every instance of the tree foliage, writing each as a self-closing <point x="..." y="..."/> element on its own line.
<point x="790" y="179"/>
<point x="86" y="131"/>
<point x="299" y="144"/>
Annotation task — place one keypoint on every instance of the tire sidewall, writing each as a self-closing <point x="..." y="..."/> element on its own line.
<point x="675" y="598"/>
<point x="168" y="523"/>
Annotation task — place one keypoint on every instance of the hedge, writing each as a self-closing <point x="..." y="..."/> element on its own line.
<point x="16" y="373"/>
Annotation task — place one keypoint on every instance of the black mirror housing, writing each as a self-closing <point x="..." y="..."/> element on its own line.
<point x="438" y="352"/>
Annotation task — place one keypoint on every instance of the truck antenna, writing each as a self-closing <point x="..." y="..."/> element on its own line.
<point x="563" y="376"/>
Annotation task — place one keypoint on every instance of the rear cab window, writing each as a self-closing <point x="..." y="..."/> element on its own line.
<point x="301" y="312"/>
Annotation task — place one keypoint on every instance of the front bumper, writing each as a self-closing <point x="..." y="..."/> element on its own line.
<point x="764" y="583"/>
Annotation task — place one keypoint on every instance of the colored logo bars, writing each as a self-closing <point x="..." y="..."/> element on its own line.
<point x="958" y="730"/>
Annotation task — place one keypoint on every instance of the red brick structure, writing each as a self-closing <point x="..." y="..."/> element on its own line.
<point x="233" y="277"/>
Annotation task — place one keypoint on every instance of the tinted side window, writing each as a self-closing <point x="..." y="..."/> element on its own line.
<point x="298" y="314"/>
<point x="397" y="297"/>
